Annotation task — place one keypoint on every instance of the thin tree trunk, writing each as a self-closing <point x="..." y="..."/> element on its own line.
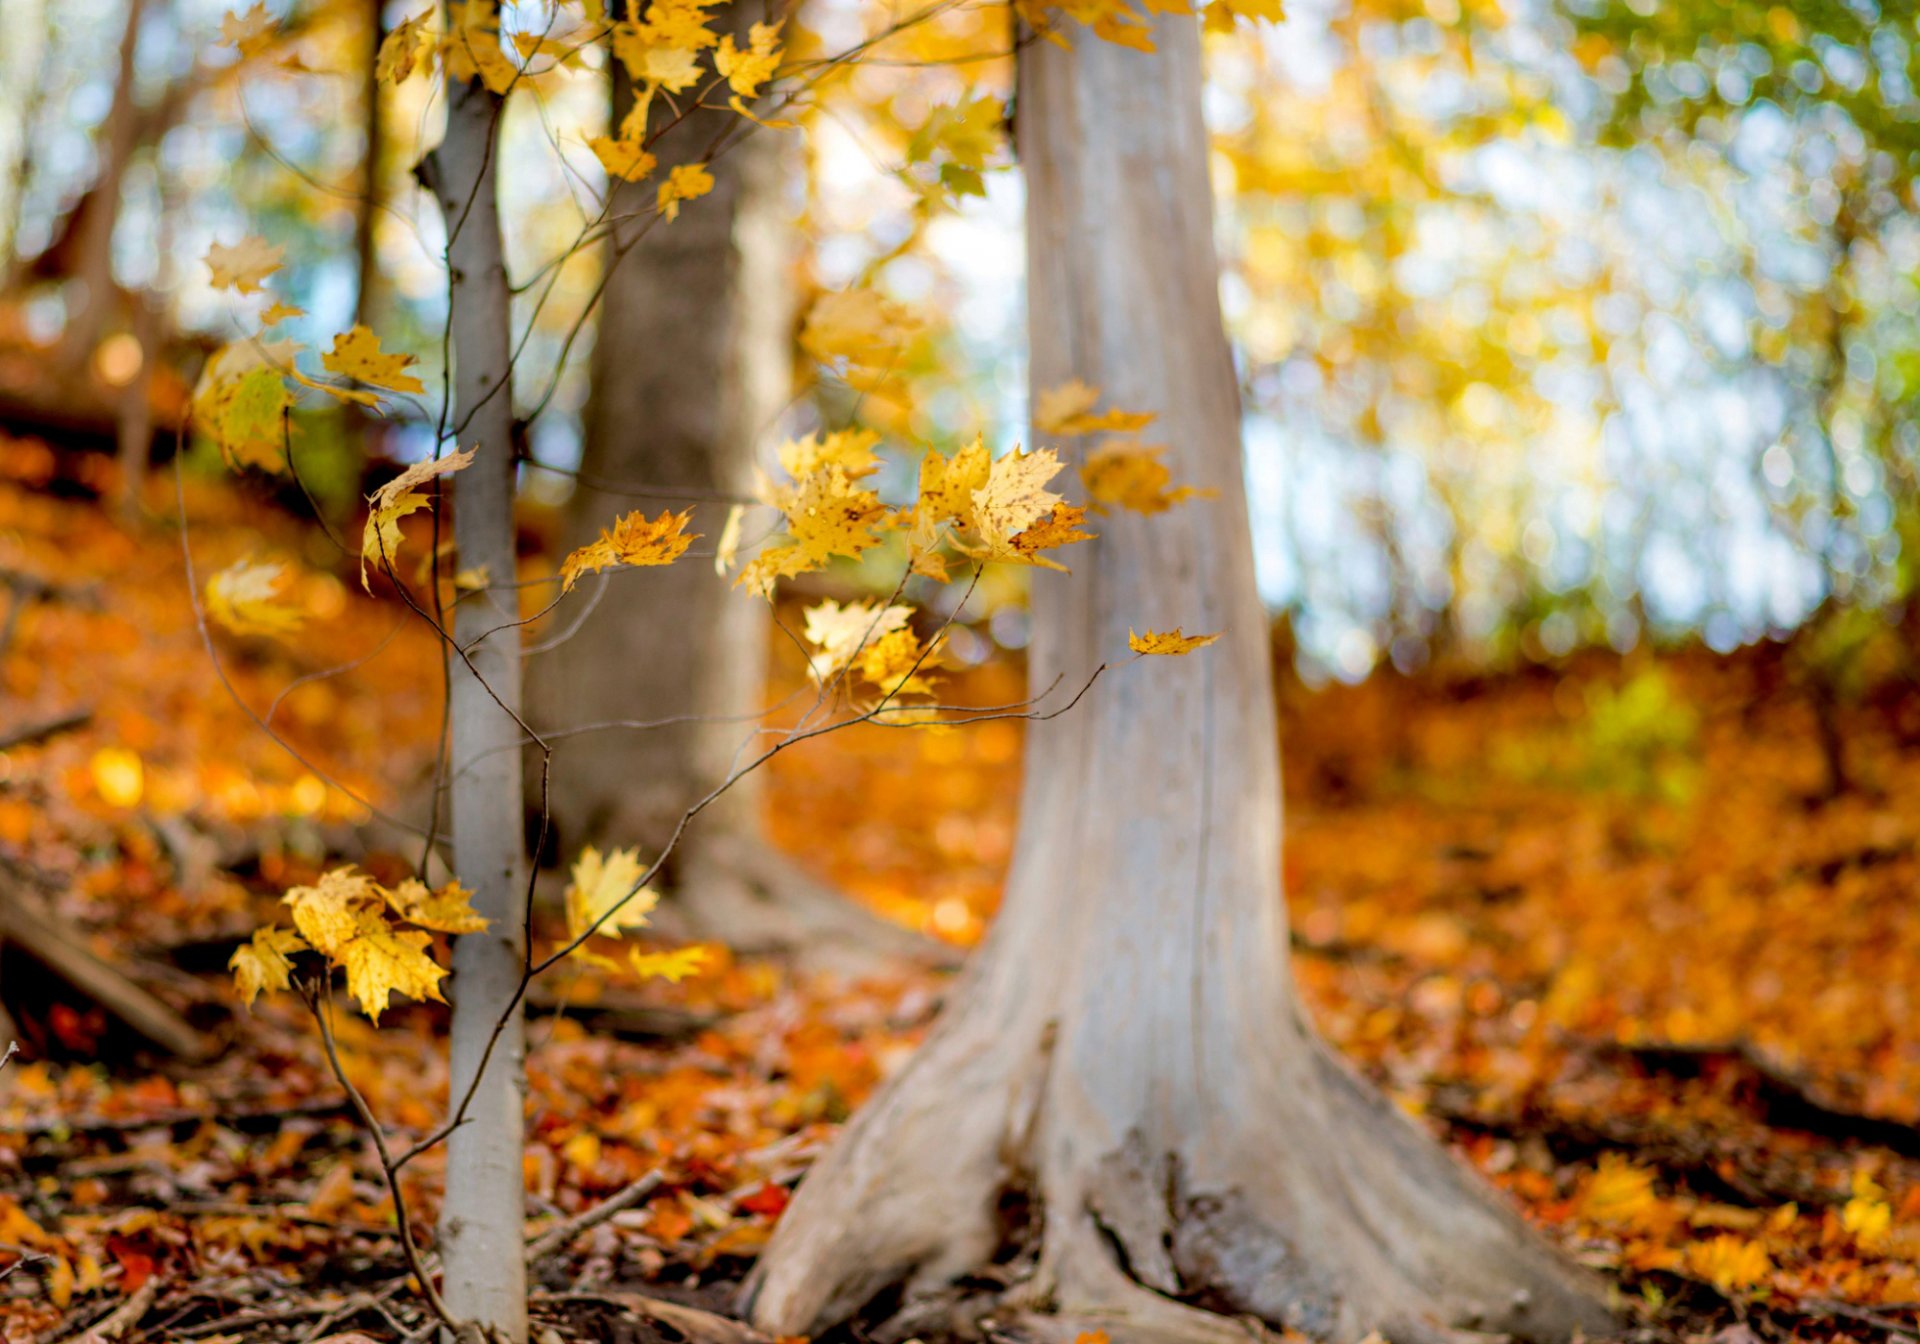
<point x="481" y="1220"/>
<point x="93" y="244"/>
<point x="1126" y="1115"/>
<point x="373" y="116"/>
<point x="691" y="369"/>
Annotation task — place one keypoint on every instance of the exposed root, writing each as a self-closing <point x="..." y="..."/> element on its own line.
<point x="743" y="893"/>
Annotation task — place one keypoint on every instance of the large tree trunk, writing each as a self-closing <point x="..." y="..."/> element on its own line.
<point x="481" y="1221"/>
<point x="1126" y="1118"/>
<point x="691" y="370"/>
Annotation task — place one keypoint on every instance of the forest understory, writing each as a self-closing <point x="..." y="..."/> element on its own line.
<point x="1596" y="926"/>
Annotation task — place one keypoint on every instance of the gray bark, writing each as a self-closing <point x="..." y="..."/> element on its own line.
<point x="1125" y="1116"/>
<point x="690" y="372"/>
<point x="481" y="1220"/>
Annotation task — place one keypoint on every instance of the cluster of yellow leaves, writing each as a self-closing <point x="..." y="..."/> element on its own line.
<point x="860" y="332"/>
<point x="243" y="398"/>
<point x="632" y="540"/>
<point x="685" y="182"/>
<point x="1128" y="475"/>
<point x="871" y="640"/>
<point x="606" y="898"/>
<point x="357" y="925"/>
<point x="245" y="598"/>
<point x="957" y="140"/>
<point x="1867" y="1216"/>
<point x="380" y="541"/>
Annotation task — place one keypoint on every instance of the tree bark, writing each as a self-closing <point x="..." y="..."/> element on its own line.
<point x="100" y="212"/>
<point x="690" y="371"/>
<point x="1125" y="1117"/>
<point x="481" y="1220"/>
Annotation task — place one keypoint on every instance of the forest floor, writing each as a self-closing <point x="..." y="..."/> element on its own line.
<point x="1590" y="924"/>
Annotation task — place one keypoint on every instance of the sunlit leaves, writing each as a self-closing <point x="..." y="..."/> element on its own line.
<point x="958" y="139"/>
<point x="263" y="962"/>
<point x="861" y="327"/>
<point x="473" y="50"/>
<point x="244" y="266"/>
<point x="1867" y="1216"/>
<point x="356" y="354"/>
<point x="1730" y="1263"/>
<point x="380" y="541"/>
<point x="632" y="540"/>
<point x="1168" y="643"/>
<point x="241" y="402"/>
<point x="828" y="513"/>
<point x="356" y="924"/>
<point x="838" y="633"/>
<point x="673" y="965"/>
<point x="1015" y="517"/>
<point x="247" y="598"/>
<point x="605" y="898"/>
<point x="685" y="182"/>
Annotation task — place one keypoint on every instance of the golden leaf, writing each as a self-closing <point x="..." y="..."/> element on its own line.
<point x="727" y="553"/>
<point x="329" y="913"/>
<point x="627" y="160"/>
<point x="244" y="597"/>
<point x="263" y="963"/>
<point x="450" y="909"/>
<point x="1014" y="497"/>
<point x="405" y="50"/>
<point x="858" y="325"/>
<point x="357" y="354"/>
<point x="1068" y="409"/>
<point x="277" y="313"/>
<point x="827" y="515"/>
<point x="1170" y="643"/>
<point x="685" y="182"/>
<point x="632" y="540"/>
<point x="851" y="450"/>
<point x="605" y="887"/>
<point x="1730" y="1263"/>
<point x="381" y="962"/>
<point x="380" y="542"/>
<point x="243" y="266"/>
<point x="1618" y="1192"/>
<point x="746" y="70"/>
<point x="251" y="32"/>
<point x="1133" y="476"/>
<point x="673" y="966"/>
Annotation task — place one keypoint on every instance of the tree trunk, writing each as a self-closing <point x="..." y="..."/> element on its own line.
<point x="1125" y="1117"/>
<point x="367" y="209"/>
<point x="100" y="212"/>
<point x="691" y="370"/>
<point x="481" y="1220"/>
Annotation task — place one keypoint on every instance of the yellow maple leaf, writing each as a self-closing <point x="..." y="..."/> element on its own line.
<point x="381" y="962"/>
<point x="357" y="354"/>
<point x="330" y="913"/>
<point x="263" y="963"/>
<point x="1618" y="1192"/>
<point x="632" y="540"/>
<point x="380" y="542"/>
<point x="245" y="265"/>
<point x="945" y="497"/>
<point x="827" y="514"/>
<point x="898" y="664"/>
<point x="241" y="402"/>
<point x="604" y="887"/>
<point x="251" y="32"/>
<point x="673" y="966"/>
<point x="959" y="138"/>
<point x="745" y="70"/>
<point x="1061" y="527"/>
<point x="1730" y="1263"/>
<point x="1068" y="409"/>
<point x="245" y="598"/>
<point x="449" y="909"/>
<point x="277" y="312"/>
<point x="861" y="326"/>
<point x="1014" y="497"/>
<point x="685" y="182"/>
<point x="1133" y="476"/>
<point x="840" y="633"/>
<point x="627" y="160"/>
<point x="1170" y="643"/>
<point x="405" y="50"/>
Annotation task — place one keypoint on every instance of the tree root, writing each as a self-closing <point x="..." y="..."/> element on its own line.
<point x="740" y="891"/>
